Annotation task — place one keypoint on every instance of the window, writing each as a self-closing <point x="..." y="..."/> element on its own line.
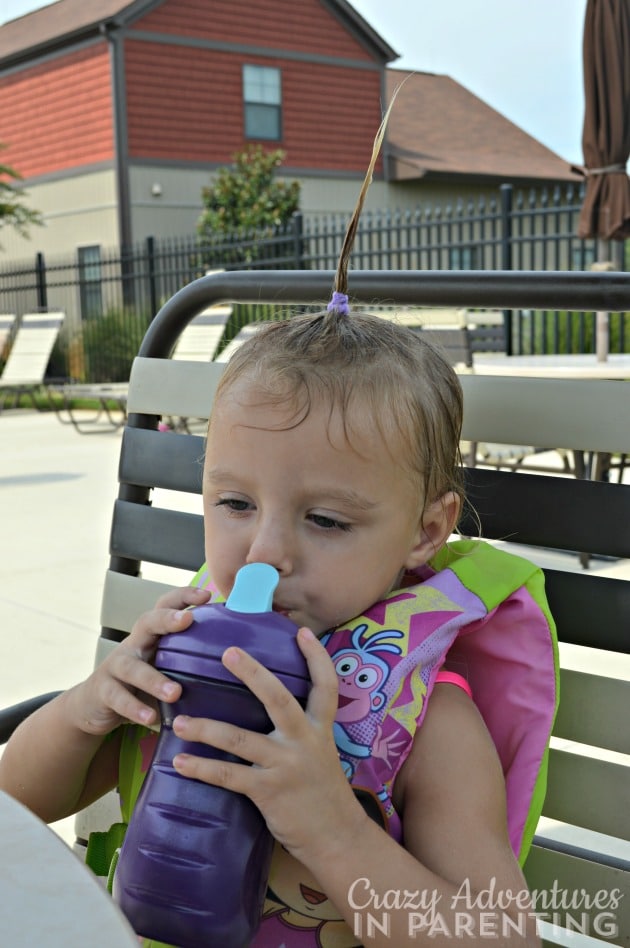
<point x="465" y="257"/>
<point x="90" y="287"/>
<point x="262" y="98"/>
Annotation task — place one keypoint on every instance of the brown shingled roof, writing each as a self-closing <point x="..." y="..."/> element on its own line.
<point x="58" y="22"/>
<point x="438" y="127"/>
<point x="63" y="19"/>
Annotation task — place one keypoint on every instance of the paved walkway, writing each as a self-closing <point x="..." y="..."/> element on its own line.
<point x="56" y="495"/>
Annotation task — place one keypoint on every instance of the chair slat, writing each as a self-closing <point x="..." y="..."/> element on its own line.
<point x="570" y="514"/>
<point x="173" y="387"/>
<point x="588" y="792"/>
<point x="591" y="709"/>
<point x="548" y="413"/>
<point x="168" y="537"/>
<point x="152" y="458"/>
<point x="125" y="598"/>
<point x="590" y="610"/>
<point x="569" y="876"/>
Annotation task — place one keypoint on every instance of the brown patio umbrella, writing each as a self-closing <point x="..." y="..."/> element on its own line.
<point x="606" y="135"/>
<point x="605" y="211"/>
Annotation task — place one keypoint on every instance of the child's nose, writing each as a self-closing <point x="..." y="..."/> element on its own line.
<point x="272" y="544"/>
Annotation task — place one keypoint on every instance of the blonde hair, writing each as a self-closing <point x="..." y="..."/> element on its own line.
<point x="346" y="359"/>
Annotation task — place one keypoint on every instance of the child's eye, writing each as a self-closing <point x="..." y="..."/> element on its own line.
<point x="234" y="503"/>
<point x="329" y="523"/>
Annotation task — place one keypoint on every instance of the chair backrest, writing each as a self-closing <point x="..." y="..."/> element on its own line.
<point x="31" y="349"/>
<point x="162" y="542"/>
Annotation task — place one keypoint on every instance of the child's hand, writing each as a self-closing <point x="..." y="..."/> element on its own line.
<point x="297" y="781"/>
<point x="125" y="686"/>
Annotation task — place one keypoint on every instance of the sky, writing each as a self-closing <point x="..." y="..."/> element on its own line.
<point x="522" y="57"/>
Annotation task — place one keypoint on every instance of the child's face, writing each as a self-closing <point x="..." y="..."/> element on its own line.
<point x="339" y="521"/>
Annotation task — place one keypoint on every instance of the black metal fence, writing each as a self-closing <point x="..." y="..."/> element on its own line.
<point x="505" y="231"/>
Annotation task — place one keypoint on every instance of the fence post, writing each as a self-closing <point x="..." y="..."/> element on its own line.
<point x="128" y="276"/>
<point x="298" y="242"/>
<point x="153" y="296"/>
<point x="40" y="279"/>
<point x="506" y="255"/>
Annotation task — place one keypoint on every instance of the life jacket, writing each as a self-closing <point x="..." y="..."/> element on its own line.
<point x="481" y="611"/>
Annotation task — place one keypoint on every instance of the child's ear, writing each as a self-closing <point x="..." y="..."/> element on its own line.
<point x="438" y="522"/>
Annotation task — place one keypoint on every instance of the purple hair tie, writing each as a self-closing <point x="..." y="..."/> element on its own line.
<point x="339" y="303"/>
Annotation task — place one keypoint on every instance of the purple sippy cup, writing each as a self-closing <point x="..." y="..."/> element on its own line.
<point x="194" y="864"/>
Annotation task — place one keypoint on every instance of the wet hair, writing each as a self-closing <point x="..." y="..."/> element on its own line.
<point x="345" y="359"/>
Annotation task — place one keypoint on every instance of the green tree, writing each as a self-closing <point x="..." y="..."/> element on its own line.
<point x="247" y="196"/>
<point x="13" y="210"/>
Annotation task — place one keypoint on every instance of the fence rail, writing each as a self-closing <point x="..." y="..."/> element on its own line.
<point x="505" y="231"/>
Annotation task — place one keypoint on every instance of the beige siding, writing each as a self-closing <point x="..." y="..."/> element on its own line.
<point x="77" y="210"/>
<point x="175" y="209"/>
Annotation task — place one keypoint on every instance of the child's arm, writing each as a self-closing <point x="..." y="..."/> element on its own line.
<point x="58" y="760"/>
<point x="450" y="792"/>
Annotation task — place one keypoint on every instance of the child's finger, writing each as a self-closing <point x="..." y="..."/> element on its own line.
<point x="183" y="597"/>
<point x="250" y="746"/>
<point x="150" y="626"/>
<point x="324" y="696"/>
<point x="282" y="708"/>
<point x="133" y="672"/>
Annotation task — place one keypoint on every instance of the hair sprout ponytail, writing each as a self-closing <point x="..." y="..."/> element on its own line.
<point x="339" y="302"/>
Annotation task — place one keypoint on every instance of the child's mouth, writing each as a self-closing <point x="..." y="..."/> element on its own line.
<point x="282" y="610"/>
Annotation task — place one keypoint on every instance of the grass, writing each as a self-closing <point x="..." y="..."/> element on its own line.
<point x="44" y="401"/>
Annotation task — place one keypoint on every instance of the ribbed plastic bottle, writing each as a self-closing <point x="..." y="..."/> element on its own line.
<point x="194" y="864"/>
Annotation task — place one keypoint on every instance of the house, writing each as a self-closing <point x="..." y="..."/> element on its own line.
<point x="117" y="113"/>
<point x="442" y="135"/>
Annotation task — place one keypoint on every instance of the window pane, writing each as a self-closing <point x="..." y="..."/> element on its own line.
<point x="262" y="121"/>
<point x="90" y="287"/>
<point x="261" y="84"/>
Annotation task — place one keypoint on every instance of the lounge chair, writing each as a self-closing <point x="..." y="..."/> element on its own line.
<point x="111" y="403"/>
<point x="26" y="365"/>
<point x="246" y="332"/>
<point x="7" y="321"/>
<point x="198" y="342"/>
<point x="589" y="786"/>
<point x="200" y="339"/>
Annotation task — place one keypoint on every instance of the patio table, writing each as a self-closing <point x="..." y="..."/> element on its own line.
<point x="561" y="366"/>
<point x="47" y="895"/>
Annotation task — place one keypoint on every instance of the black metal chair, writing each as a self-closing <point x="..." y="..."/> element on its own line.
<point x="588" y="790"/>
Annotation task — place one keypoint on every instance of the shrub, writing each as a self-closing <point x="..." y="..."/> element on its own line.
<point x="247" y="197"/>
<point x="110" y="343"/>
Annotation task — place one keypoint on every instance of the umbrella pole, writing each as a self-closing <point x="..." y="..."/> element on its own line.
<point x="602" y="318"/>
